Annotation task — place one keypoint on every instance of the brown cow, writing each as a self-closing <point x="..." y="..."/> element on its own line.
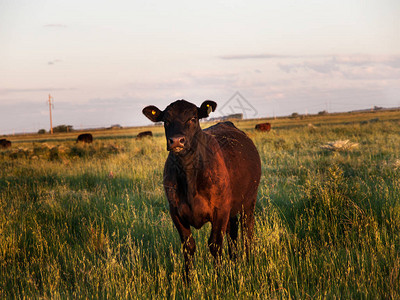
<point x="210" y="175"/>
<point x="5" y="143"/>
<point x="263" y="127"/>
<point x="85" y="138"/>
<point x="144" y="134"/>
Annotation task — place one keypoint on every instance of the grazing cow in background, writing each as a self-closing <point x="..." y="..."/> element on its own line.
<point x="263" y="127"/>
<point x="210" y="175"/>
<point x="144" y="134"/>
<point x="5" y="143"/>
<point x="85" y="138"/>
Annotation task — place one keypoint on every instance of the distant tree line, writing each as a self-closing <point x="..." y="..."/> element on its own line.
<point x="59" y="128"/>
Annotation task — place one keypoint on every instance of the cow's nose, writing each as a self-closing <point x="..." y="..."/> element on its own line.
<point x="176" y="141"/>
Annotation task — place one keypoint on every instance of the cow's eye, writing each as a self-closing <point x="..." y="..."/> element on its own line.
<point x="192" y="120"/>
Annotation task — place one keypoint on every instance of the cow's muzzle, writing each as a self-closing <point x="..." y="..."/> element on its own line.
<point x="176" y="143"/>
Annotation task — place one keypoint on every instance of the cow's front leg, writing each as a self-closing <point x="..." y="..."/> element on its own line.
<point x="219" y="225"/>
<point x="187" y="240"/>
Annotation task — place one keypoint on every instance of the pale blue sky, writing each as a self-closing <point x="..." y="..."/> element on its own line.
<point x="103" y="61"/>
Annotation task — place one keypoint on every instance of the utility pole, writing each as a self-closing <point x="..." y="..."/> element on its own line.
<point x="51" y="103"/>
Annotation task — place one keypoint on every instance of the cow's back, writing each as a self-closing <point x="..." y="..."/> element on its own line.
<point x="242" y="161"/>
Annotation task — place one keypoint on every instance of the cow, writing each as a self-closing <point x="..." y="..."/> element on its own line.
<point x="5" y="143"/>
<point x="85" y="138"/>
<point x="263" y="127"/>
<point x="210" y="175"/>
<point x="144" y="134"/>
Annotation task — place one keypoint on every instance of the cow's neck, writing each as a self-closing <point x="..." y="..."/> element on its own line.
<point x="192" y="164"/>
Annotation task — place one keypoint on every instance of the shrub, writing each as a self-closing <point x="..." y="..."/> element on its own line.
<point x="294" y="115"/>
<point x="63" y="128"/>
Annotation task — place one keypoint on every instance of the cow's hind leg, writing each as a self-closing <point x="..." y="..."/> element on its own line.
<point x="232" y="231"/>
<point x="247" y="224"/>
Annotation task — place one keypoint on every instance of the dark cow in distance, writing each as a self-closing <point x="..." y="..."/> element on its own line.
<point x="5" y="143"/>
<point x="85" y="138"/>
<point x="144" y="134"/>
<point x="210" y="175"/>
<point x="263" y="127"/>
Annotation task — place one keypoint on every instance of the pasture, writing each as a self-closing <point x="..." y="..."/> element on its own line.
<point x="92" y="221"/>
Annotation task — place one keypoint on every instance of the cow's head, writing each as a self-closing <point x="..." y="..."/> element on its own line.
<point x="181" y="122"/>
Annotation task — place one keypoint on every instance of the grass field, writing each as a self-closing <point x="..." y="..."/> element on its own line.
<point x="92" y="221"/>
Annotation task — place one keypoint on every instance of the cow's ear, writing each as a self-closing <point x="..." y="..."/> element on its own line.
<point x="153" y="113"/>
<point x="206" y="108"/>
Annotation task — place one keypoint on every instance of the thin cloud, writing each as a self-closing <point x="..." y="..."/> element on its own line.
<point x="350" y="66"/>
<point x="52" y="62"/>
<point x="267" y="56"/>
<point x="352" y="60"/>
<point x="392" y="61"/>
<point x="325" y="67"/>
<point x="255" y="56"/>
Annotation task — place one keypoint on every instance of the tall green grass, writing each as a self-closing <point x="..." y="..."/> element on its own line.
<point x="92" y="221"/>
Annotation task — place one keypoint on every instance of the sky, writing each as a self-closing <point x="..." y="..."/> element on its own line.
<point x="103" y="61"/>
